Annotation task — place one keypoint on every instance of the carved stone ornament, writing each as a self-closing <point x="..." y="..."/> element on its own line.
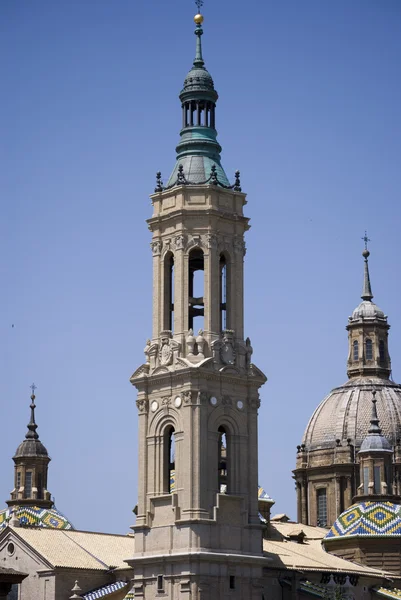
<point x="194" y="241"/>
<point x="165" y="348"/>
<point x="156" y="247"/>
<point x="227" y="348"/>
<point x="249" y="352"/>
<point x="166" y="400"/>
<point x="226" y="400"/>
<point x="141" y="404"/>
<point x="211" y="241"/>
<point x="202" y="397"/>
<point x="239" y="245"/>
<point x="179" y="241"/>
<point x="187" y="396"/>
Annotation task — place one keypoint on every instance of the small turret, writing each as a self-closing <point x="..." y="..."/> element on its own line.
<point x="375" y="462"/>
<point x="31" y="465"/>
<point x="368" y="333"/>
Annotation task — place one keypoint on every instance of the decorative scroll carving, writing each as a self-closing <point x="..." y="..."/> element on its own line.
<point x="211" y="241"/>
<point x="187" y="396"/>
<point x="194" y="241"/>
<point x="156" y="247"/>
<point x="166" y="400"/>
<point x="226" y="400"/>
<point x="141" y="404"/>
<point x="179" y="241"/>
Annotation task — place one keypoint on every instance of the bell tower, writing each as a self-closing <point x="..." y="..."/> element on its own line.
<point x="197" y="533"/>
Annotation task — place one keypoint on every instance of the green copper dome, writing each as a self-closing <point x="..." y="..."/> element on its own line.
<point x="198" y="151"/>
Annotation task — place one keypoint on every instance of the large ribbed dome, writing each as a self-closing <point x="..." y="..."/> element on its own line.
<point x="345" y="413"/>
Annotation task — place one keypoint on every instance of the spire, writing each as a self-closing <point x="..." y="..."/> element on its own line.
<point x="198" y="61"/>
<point x="374" y="421"/>
<point x="375" y="440"/>
<point x="32" y="427"/>
<point x="367" y="290"/>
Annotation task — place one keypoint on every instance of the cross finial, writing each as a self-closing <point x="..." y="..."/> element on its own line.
<point x="366" y="239"/>
<point x="33" y="388"/>
<point x="199" y="4"/>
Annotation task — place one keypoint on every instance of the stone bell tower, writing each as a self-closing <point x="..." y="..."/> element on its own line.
<point x="198" y="534"/>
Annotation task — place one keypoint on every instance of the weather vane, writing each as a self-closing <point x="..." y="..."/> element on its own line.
<point x="33" y="388"/>
<point x="366" y="239"/>
<point x="199" y="4"/>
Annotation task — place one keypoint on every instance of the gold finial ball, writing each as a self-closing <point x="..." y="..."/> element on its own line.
<point x="198" y="19"/>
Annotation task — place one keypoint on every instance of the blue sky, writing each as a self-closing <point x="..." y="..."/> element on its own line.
<point x="309" y="111"/>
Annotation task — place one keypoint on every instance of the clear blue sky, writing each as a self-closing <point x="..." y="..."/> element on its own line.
<point x="309" y="111"/>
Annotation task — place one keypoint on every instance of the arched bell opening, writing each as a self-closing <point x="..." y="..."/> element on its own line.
<point x="196" y="304"/>
<point x="222" y="464"/>
<point x="224" y="287"/>
<point x="168" y="275"/>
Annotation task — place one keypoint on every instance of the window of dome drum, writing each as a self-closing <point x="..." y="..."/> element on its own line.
<point x="365" y="480"/>
<point x="28" y="484"/>
<point x="376" y="480"/>
<point x="321" y="500"/>
<point x="369" y="350"/>
<point x="356" y="350"/>
<point x="382" y="353"/>
<point x="18" y="485"/>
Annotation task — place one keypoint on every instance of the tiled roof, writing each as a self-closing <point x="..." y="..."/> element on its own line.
<point x="262" y="495"/>
<point x="79" y="549"/>
<point x="368" y="519"/>
<point x="311" y="556"/>
<point x="285" y="528"/>
<point x="36" y="516"/>
<point x="109" y="591"/>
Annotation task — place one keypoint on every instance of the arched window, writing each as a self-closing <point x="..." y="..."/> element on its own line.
<point x="369" y="350"/>
<point x="196" y="303"/>
<point x="169" y="460"/>
<point x="382" y="350"/>
<point x="40" y="486"/>
<point x="321" y="501"/>
<point x="222" y="461"/>
<point x="169" y="291"/>
<point x="28" y="484"/>
<point x="355" y="350"/>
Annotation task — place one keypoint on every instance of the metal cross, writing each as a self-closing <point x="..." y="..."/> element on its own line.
<point x="33" y="388"/>
<point x="199" y="4"/>
<point x="366" y="240"/>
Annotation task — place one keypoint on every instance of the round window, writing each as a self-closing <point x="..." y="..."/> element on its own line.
<point x="10" y="548"/>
